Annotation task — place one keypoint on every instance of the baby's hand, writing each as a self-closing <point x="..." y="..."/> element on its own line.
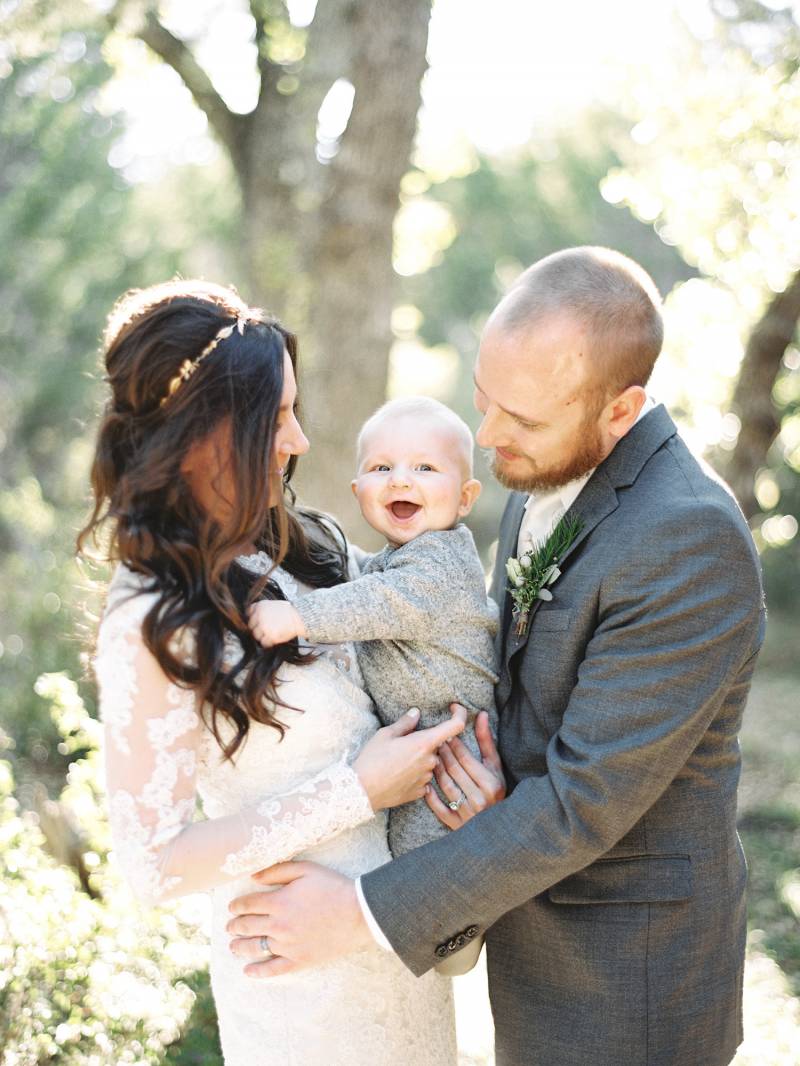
<point x="274" y="622"/>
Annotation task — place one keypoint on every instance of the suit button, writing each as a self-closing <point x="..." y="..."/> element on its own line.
<point x="441" y="951"/>
<point x="471" y="931"/>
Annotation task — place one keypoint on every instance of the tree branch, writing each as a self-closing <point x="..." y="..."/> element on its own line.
<point x="752" y="400"/>
<point x="177" y="54"/>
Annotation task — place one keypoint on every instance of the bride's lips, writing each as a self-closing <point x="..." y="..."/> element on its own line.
<point x="403" y="510"/>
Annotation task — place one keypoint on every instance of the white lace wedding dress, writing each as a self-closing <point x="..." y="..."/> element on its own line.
<point x="297" y="797"/>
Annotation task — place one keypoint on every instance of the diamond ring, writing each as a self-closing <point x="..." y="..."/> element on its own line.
<point x="263" y="943"/>
<point x="455" y="804"/>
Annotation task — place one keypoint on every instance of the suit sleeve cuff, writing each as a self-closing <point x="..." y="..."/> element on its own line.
<point x="377" y="933"/>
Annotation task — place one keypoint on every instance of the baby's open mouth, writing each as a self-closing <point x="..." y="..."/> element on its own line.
<point x="404" y="509"/>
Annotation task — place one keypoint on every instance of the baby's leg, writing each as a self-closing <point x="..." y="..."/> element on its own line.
<point x="415" y="824"/>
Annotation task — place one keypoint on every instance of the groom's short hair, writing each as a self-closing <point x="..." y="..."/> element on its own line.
<point x="610" y="295"/>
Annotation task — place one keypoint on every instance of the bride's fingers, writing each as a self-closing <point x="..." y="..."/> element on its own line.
<point x="441" y="810"/>
<point x="451" y="791"/>
<point x="486" y="744"/>
<point x="462" y="779"/>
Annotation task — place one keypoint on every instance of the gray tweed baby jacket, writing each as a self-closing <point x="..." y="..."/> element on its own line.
<point x="425" y="632"/>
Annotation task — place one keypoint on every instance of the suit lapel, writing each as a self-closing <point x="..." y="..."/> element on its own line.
<point x="596" y="501"/>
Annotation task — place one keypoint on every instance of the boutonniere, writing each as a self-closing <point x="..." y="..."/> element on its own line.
<point x="537" y="568"/>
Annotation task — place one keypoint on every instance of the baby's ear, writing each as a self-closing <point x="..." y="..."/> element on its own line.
<point x="353" y="487"/>
<point x="470" y="491"/>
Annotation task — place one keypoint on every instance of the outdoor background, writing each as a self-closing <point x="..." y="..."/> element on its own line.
<point x="283" y="149"/>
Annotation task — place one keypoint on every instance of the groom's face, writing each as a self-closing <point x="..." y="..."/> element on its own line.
<point x="541" y="416"/>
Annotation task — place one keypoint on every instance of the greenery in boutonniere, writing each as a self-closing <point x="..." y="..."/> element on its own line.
<point x="537" y="568"/>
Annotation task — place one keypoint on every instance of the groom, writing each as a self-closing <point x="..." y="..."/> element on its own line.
<point x="610" y="882"/>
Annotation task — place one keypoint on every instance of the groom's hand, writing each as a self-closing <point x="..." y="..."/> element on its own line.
<point x="313" y="918"/>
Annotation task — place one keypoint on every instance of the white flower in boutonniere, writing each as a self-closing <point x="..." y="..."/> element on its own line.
<point x="537" y="568"/>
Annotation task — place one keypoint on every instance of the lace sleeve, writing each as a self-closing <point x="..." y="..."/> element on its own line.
<point x="151" y="735"/>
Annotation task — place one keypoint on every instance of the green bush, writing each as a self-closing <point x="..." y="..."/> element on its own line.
<point x="86" y="977"/>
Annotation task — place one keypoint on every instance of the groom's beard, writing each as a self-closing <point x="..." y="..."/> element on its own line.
<point x="588" y="454"/>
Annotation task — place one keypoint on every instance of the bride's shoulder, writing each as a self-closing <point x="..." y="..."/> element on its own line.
<point x="130" y="596"/>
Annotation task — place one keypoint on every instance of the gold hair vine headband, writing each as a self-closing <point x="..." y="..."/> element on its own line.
<point x="188" y="366"/>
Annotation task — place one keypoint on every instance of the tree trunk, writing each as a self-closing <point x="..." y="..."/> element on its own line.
<point x="317" y="237"/>
<point x="752" y="400"/>
<point x="350" y="261"/>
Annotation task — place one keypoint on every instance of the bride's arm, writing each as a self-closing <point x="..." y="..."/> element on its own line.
<point x="152" y="735"/>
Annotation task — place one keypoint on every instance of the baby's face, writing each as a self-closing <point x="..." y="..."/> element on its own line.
<point x="412" y="478"/>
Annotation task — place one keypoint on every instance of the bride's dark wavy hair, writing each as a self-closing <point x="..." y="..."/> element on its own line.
<point x="155" y="526"/>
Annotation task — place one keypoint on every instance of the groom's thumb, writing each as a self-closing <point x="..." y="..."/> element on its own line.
<point x="407" y="724"/>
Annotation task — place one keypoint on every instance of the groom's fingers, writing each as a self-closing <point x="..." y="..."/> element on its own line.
<point x="252" y="903"/>
<point x="273" y="967"/>
<point x="281" y="873"/>
<point x="249" y="925"/>
<point x="249" y="948"/>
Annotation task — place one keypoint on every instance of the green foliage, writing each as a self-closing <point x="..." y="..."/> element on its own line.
<point x="85" y="978"/>
<point x="714" y="161"/>
<point x="82" y="234"/>
<point x="505" y="215"/>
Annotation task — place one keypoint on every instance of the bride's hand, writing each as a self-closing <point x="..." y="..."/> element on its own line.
<point x="472" y="784"/>
<point x="396" y="764"/>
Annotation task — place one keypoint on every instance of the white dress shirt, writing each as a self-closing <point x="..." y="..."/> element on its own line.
<point x="542" y="512"/>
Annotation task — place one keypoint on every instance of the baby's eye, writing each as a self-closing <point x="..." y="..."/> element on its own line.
<point x="424" y="466"/>
<point x="381" y="467"/>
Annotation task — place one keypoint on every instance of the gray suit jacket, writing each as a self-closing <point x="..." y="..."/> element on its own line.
<point x="610" y="881"/>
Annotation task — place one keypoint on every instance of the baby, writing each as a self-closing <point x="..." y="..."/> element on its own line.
<point x="419" y="610"/>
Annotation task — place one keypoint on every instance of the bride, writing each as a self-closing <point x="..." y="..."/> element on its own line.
<point x="197" y="445"/>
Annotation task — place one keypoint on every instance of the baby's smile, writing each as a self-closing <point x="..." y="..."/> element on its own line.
<point x="402" y="510"/>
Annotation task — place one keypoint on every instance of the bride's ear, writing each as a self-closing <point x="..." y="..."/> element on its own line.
<point x="470" y="491"/>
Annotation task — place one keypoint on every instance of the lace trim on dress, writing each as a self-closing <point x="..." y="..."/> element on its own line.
<point x="318" y="809"/>
<point x="154" y="734"/>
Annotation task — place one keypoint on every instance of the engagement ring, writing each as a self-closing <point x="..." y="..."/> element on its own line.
<point x="263" y="943"/>
<point x="455" y="804"/>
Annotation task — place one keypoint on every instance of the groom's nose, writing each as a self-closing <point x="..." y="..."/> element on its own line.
<point x="489" y="434"/>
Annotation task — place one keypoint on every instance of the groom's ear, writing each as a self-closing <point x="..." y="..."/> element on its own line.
<point x="470" y="491"/>
<point x="624" y="410"/>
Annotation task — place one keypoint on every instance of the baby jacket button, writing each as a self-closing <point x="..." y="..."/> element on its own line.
<point x="441" y="951"/>
<point x="471" y="931"/>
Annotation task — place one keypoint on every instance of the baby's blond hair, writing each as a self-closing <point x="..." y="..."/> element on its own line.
<point x="425" y="406"/>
